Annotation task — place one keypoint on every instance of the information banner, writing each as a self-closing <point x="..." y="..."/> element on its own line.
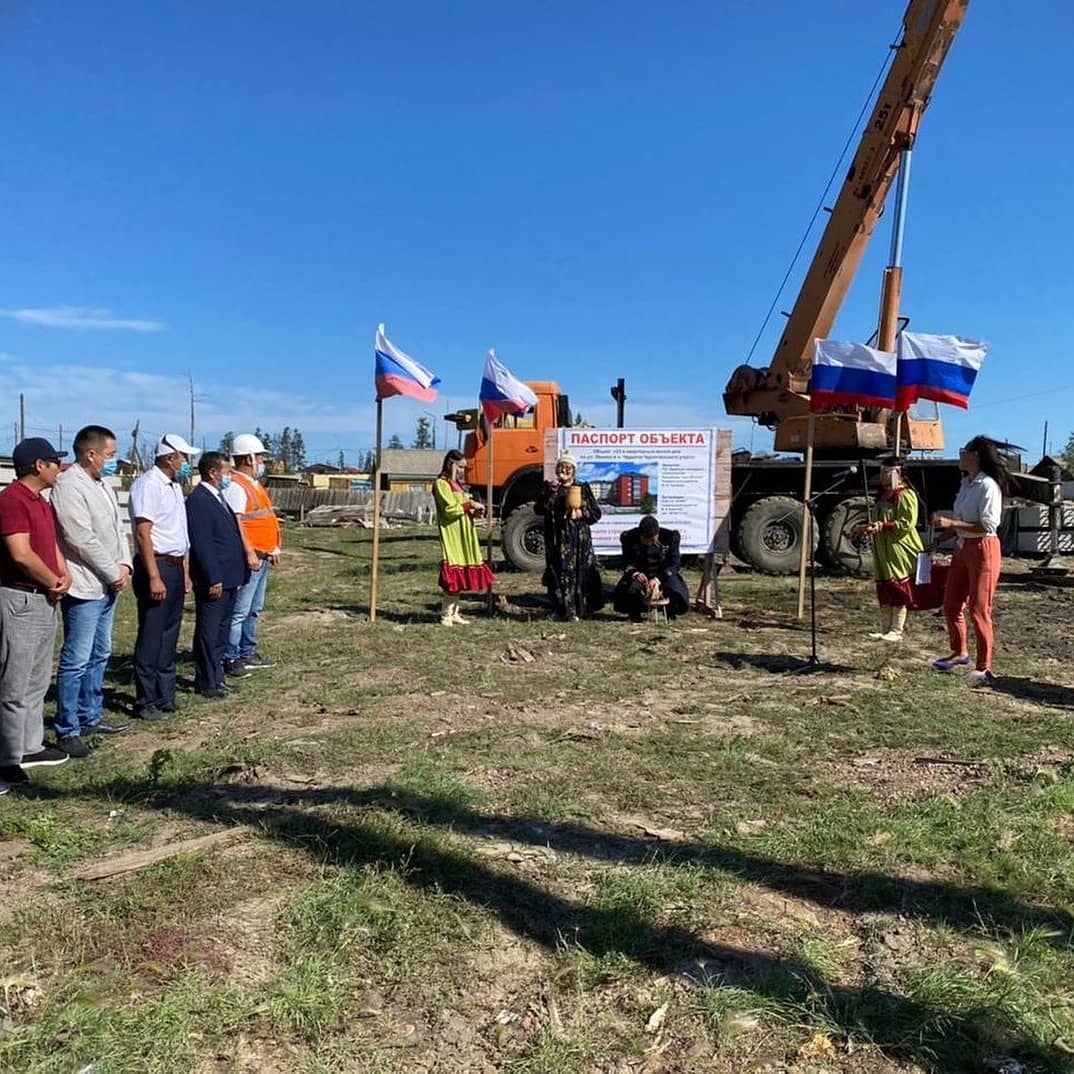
<point x="674" y="474"/>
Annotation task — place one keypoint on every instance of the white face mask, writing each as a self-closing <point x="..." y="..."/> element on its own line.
<point x="259" y="470"/>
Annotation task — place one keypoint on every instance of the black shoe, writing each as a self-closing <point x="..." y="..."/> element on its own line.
<point x="168" y="706"/>
<point x="236" y="669"/>
<point x="12" y="773"/>
<point x="103" y="728"/>
<point x="256" y="660"/>
<point x="151" y="714"/>
<point x="215" y="694"/>
<point x="73" y="746"/>
<point x="4" y="787"/>
<point x="45" y="758"/>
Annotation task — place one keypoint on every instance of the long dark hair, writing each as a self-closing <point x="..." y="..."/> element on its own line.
<point x="990" y="461"/>
<point x="450" y="459"/>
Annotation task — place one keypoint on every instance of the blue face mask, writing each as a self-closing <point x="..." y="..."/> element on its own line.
<point x="110" y="468"/>
<point x="184" y="472"/>
<point x="225" y="483"/>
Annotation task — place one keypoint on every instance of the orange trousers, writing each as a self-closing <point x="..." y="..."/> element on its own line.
<point x="972" y="582"/>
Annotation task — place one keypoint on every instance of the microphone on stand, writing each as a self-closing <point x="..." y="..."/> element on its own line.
<point x="841" y="475"/>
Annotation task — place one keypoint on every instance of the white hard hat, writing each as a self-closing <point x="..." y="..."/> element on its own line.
<point x="172" y="442"/>
<point x="247" y="444"/>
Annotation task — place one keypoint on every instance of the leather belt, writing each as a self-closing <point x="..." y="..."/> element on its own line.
<point x="25" y="587"/>
<point x="176" y="560"/>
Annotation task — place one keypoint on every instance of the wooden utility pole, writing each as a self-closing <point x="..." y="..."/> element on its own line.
<point x="22" y="416"/>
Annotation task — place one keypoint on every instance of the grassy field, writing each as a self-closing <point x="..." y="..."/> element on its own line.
<point x="528" y="846"/>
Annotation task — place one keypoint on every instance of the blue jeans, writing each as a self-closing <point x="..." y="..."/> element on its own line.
<point x="249" y="602"/>
<point x="87" y="645"/>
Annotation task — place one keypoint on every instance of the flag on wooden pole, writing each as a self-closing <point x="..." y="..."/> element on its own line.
<point x="398" y="374"/>
<point x="851" y="374"/>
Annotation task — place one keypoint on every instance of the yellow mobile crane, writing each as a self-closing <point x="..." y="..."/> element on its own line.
<point x="778" y="396"/>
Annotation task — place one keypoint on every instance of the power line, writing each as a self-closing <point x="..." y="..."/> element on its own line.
<point x="888" y="59"/>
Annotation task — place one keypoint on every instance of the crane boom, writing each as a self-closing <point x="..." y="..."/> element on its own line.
<point x="778" y="394"/>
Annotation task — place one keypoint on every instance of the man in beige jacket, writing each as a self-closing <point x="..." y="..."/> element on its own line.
<point x="99" y="562"/>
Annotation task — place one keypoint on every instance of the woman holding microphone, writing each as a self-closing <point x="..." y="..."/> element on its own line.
<point x="974" y="523"/>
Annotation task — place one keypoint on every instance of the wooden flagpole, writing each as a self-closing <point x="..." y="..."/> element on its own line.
<point x="376" y="518"/>
<point x="807" y="522"/>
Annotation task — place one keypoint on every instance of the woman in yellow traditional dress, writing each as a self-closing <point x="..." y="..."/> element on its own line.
<point x="462" y="570"/>
<point x="896" y="545"/>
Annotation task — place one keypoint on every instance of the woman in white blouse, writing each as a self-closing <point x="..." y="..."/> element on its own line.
<point x="974" y="522"/>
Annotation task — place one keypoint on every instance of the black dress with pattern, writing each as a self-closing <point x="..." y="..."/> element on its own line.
<point x="571" y="575"/>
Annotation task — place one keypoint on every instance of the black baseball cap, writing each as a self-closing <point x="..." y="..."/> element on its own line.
<point x="28" y="451"/>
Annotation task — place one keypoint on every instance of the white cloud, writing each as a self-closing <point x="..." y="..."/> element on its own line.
<point x="73" y="395"/>
<point x="80" y="318"/>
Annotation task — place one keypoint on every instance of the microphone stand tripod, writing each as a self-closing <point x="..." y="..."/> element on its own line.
<point x="814" y="663"/>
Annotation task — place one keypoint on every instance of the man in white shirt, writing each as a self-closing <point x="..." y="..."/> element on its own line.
<point x="99" y="564"/>
<point x="161" y="577"/>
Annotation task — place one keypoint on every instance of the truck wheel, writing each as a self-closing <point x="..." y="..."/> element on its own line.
<point x="523" y="539"/>
<point x="770" y="536"/>
<point x="845" y="550"/>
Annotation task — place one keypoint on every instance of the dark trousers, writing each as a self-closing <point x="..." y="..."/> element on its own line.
<point x="631" y="597"/>
<point x="212" y="627"/>
<point x="158" y="634"/>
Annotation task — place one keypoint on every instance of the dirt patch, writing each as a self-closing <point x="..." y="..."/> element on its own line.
<point x="893" y="776"/>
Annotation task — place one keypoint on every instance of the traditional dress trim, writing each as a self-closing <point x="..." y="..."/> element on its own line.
<point x="466" y="579"/>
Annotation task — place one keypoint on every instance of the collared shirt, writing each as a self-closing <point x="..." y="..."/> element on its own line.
<point x="158" y="499"/>
<point x="90" y="531"/>
<point x="980" y="501"/>
<point x="24" y="511"/>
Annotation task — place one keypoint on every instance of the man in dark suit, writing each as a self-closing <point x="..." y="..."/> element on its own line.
<point x="651" y="566"/>
<point x="220" y="562"/>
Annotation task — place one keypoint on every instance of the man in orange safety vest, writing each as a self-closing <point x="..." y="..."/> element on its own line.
<point x="250" y="501"/>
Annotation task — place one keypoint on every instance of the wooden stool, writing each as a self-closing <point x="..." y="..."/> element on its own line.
<point x="658" y="610"/>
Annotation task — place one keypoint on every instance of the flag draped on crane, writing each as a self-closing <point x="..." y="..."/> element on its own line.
<point x="502" y="392"/>
<point x="398" y="374"/>
<point x="940" y="368"/>
<point x="851" y="374"/>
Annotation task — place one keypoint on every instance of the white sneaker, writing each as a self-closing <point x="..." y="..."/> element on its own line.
<point x="981" y="678"/>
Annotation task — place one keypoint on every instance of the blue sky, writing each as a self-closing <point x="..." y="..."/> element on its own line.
<point x="242" y="191"/>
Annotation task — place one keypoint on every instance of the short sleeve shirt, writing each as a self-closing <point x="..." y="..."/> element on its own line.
<point x="24" y="511"/>
<point x="158" y="499"/>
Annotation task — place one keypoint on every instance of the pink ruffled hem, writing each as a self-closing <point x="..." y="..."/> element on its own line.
<point x="466" y="579"/>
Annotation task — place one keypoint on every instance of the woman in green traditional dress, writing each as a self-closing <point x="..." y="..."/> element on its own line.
<point x="462" y="570"/>
<point x="896" y="545"/>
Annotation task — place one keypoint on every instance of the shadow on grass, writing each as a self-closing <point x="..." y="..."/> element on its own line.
<point x="939" y="1040"/>
<point x="777" y="663"/>
<point x="1054" y="695"/>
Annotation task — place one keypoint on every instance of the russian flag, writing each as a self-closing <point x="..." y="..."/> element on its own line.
<point x="501" y="392"/>
<point x="851" y="374"/>
<point x="941" y="368"/>
<point x="398" y="374"/>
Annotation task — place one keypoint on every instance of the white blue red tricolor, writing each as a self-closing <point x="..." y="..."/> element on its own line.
<point x="398" y="374"/>
<point x="502" y="392"/>
<point x="941" y="368"/>
<point x="851" y="374"/>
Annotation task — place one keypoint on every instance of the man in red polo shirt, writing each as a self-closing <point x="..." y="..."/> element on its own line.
<point x="33" y="579"/>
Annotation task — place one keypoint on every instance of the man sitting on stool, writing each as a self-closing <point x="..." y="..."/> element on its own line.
<point x="651" y="566"/>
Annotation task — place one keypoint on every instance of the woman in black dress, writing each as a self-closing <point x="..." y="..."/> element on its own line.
<point x="571" y="575"/>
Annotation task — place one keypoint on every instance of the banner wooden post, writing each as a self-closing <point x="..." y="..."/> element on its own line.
<point x="376" y="518"/>
<point x="807" y="522"/>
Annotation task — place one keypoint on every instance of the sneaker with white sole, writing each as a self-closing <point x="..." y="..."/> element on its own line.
<point x="981" y="678"/>
<point x="45" y="758"/>
<point x="256" y="660"/>
<point x="4" y="788"/>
